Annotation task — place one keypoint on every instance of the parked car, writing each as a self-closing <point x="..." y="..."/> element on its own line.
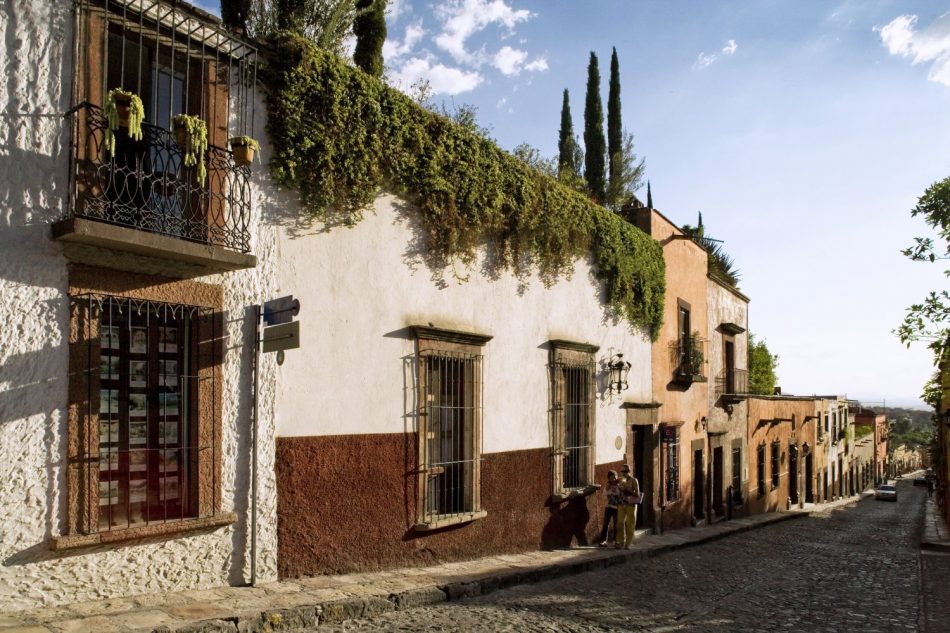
<point x="887" y="492"/>
<point x="921" y="481"/>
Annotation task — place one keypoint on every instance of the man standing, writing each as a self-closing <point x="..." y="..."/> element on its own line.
<point x="627" y="510"/>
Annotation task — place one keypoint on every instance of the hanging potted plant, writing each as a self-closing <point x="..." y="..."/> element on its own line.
<point x="242" y="149"/>
<point x="191" y="134"/>
<point x="123" y="109"/>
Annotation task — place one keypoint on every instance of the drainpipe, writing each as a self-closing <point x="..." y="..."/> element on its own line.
<point x="257" y="361"/>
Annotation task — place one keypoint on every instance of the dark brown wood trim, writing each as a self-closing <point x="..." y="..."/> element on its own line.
<point x="423" y="332"/>
<point x="559" y="344"/>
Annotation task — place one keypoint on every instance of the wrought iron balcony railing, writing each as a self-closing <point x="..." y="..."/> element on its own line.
<point x="688" y="359"/>
<point x="145" y="185"/>
<point x="732" y="382"/>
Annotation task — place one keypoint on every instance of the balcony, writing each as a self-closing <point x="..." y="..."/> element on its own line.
<point x="688" y="359"/>
<point x="732" y="385"/>
<point x="143" y="210"/>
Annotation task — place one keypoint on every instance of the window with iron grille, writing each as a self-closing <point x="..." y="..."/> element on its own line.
<point x="671" y="463"/>
<point x="176" y="60"/>
<point x="760" y="468"/>
<point x="737" y="475"/>
<point x="146" y="429"/>
<point x="450" y="422"/>
<point x="776" y="449"/>
<point x="573" y="415"/>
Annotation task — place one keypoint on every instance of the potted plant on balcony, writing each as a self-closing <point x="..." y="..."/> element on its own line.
<point x="691" y="359"/>
<point x="191" y="134"/>
<point x="123" y="109"/>
<point x="243" y="148"/>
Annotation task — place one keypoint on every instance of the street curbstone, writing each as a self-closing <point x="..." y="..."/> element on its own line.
<point x="419" y="597"/>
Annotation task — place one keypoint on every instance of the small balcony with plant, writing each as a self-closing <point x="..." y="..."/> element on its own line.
<point x="155" y="184"/>
<point x="688" y="359"/>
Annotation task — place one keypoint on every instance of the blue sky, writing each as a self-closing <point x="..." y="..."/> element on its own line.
<point x="804" y="131"/>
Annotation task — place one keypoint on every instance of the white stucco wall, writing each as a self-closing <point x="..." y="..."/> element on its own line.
<point x="34" y="357"/>
<point x="360" y="288"/>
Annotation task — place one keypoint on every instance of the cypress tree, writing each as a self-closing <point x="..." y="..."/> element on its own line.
<point x="565" y="138"/>
<point x="649" y="196"/>
<point x="614" y="128"/>
<point x="290" y="15"/>
<point x="594" y="142"/>
<point x="370" y="30"/>
<point x="234" y="13"/>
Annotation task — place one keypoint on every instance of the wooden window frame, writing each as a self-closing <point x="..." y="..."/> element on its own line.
<point x="776" y="458"/>
<point x="570" y="356"/>
<point x="760" y="468"/>
<point x="671" y="472"/>
<point x="82" y="522"/>
<point x="450" y="344"/>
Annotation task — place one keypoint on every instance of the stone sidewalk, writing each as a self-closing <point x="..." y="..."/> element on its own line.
<point x="302" y="603"/>
<point x="936" y="536"/>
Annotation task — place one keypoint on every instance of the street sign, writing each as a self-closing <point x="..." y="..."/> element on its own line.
<point x="280" y="337"/>
<point x="282" y="310"/>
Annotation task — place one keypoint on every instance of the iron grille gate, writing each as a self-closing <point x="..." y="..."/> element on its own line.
<point x="452" y="383"/>
<point x="574" y="389"/>
<point x="140" y="442"/>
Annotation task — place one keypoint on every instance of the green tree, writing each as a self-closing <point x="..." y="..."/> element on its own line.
<point x="929" y="320"/>
<point x="369" y="27"/>
<point x="569" y="153"/>
<point x="327" y="23"/>
<point x="615" y="133"/>
<point x="533" y="157"/>
<point x="594" y="142"/>
<point x="626" y="174"/>
<point x="649" y="196"/>
<point x="762" y="365"/>
<point x="235" y="13"/>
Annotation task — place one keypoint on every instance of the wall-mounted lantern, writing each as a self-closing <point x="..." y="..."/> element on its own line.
<point x="619" y="370"/>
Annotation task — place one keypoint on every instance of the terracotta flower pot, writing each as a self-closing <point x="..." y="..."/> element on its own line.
<point x="122" y="107"/>
<point x="243" y="155"/>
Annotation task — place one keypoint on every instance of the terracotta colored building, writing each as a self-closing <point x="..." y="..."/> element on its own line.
<point x="782" y="434"/>
<point x="864" y="418"/>
<point x="675" y="454"/>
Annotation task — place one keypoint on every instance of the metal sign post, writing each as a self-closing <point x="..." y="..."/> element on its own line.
<point x="280" y="333"/>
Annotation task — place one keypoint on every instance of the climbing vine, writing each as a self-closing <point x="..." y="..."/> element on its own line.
<point x="339" y="135"/>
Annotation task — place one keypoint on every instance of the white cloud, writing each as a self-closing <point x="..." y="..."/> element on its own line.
<point x="395" y="8"/>
<point x="501" y="103"/>
<point x="730" y="47"/>
<point x="931" y="44"/>
<point x="511" y="61"/>
<point x="463" y="18"/>
<point x="393" y="49"/>
<point x="703" y="60"/>
<point x="442" y="79"/>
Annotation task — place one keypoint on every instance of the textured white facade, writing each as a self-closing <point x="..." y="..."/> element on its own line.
<point x="37" y="66"/>
<point x="360" y="290"/>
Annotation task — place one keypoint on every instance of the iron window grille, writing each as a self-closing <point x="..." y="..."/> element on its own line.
<point x="671" y="444"/>
<point x="573" y="391"/>
<point x="760" y="468"/>
<point x="737" y="476"/>
<point x="146" y="439"/>
<point x="688" y="359"/>
<point x="776" y="450"/>
<point x="450" y="433"/>
<point x="178" y="60"/>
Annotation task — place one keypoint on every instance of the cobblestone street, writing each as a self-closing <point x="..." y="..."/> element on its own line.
<point x="851" y="569"/>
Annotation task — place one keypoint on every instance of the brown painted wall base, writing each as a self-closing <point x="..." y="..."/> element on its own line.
<point x="347" y="503"/>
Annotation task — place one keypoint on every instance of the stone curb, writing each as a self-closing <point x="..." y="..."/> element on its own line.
<point x="936" y="537"/>
<point x="335" y="611"/>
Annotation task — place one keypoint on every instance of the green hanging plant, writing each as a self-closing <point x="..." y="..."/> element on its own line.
<point x="191" y="134"/>
<point x="243" y="148"/>
<point x="123" y="109"/>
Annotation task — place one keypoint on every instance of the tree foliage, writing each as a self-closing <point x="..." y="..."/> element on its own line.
<point x="595" y="146"/>
<point x="327" y="23"/>
<point x="718" y="262"/>
<point x="369" y="26"/>
<point x="532" y="157"/>
<point x="570" y="155"/>
<point x="615" y="133"/>
<point x="929" y="320"/>
<point x="339" y="135"/>
<point x="762" y="366"/>
<point x="649" y="196"/>
<point x="235" y="13"/>
<point x="626" y="174"/>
